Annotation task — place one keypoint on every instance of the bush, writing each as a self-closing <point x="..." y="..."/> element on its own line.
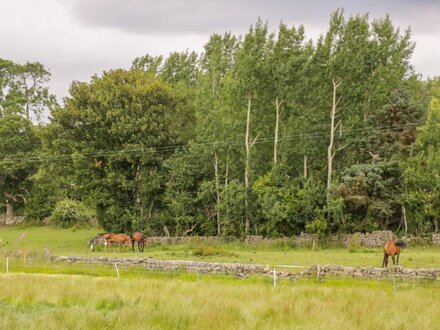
<point x="70" y="213"/>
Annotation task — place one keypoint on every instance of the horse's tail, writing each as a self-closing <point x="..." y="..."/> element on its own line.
<point x="401" y="244"/>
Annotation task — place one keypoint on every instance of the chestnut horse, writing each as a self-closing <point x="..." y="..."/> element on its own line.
<point x="139" y="238"/>
<point x="392" y="248"/>
<point x="120" y="239"/>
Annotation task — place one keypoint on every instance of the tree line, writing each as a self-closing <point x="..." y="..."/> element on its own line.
<point x="268" y="133"/>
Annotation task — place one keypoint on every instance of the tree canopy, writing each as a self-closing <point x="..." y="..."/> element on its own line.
<point x="240" y="139"/>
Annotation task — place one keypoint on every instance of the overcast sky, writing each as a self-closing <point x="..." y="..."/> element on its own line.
<point x="78" y="38"/>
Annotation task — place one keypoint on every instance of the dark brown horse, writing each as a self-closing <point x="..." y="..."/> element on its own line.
<point x="393" y="249"/>
<point x="139" y="238"/>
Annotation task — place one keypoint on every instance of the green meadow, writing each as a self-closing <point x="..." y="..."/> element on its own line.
<point x="180" y="301"/>
<point x="18" y="242"/>
<point x="40" y="294"/>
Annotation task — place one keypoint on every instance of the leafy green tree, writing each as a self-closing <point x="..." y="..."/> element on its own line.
<point x="370" y="193"/>
<point x="185" y="172"/>
<point x="214" y="128"/>
<point x="117" y="129"/>
<point x="18" y="161"/>
<point x="287" y="204"/>
<point x="24" y="89"/>
<point x="421" y="174"/>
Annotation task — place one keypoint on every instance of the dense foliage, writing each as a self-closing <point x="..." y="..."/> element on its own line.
<point x="237" y="140"/>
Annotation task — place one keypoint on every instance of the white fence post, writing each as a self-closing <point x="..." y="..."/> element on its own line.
<point x="394" y="280"/>
<point x="274" y="278"/>
<point x="116" y="267"/>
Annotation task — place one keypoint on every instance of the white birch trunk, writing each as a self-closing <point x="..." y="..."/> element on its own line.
<point x="330" y="149"/>
<point x="247" y="165"/>
<point x="217" y="191"/>
<point x="277" y="120"/>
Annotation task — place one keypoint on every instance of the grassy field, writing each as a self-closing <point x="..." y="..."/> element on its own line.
<point x="181" y="301"/>
<point x="39" y="294"/>
<point x="73" y="242"/>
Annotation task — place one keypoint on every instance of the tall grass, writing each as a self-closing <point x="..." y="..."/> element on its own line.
<point x="161" y="302"/>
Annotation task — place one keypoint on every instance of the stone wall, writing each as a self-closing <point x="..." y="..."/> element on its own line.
<point x="185" y="239"/>
<point x="373" y="239"/>
<point x="15" y="220"/>
<point x="245" y="270"/>
<point x="435" y="239"/>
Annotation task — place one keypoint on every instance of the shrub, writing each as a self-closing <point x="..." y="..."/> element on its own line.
<point x="70" y="213"/>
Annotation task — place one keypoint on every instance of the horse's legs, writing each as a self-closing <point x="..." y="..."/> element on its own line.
<point x="385" y="260"/>
<point x="398" y="259"/>
<point x="394" y="260"/>
<point x="141" y="246"/>
<point x="132" y="245"/>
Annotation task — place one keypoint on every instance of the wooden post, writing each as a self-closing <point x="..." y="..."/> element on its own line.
<point x="116" y="267"/>
<point x="394" y="280"/>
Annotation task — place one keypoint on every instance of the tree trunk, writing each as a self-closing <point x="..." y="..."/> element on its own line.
<point x="330" y="149"/>
<point x="137" y="202"/>
<point x="9" y="213"/>
<point x="305" y="166"/>
<point x="247" y="165"/>
<point x="226" y="185"/>
<point x="277" y="120"/>
<point x="405" y="224"/>
<point x="217" y="191"/>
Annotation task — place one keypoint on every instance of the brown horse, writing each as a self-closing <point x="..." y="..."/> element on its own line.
<point x="120" y="239"/>
<point x="139" y="238"/>
<point x="392" y="248"/>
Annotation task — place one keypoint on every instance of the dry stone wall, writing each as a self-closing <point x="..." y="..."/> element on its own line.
<point x="373" y="239"/>
<point x="435" y="239"/>
<point x="15" y="220"/>
<point x="245" y="270"/>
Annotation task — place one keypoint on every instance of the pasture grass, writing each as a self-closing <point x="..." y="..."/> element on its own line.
<point x="161" y="301"/>
<point x="41" y="294"/>
<point x="39" y="240"/>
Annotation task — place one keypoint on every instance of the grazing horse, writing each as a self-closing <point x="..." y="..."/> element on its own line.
<point x="139" y="238"/>
<point x="392" y="248"/>
<point x="100" y="239"/>
<point x="120" y="239"/>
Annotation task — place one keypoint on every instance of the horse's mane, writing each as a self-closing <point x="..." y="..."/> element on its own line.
<point x="401" y="244"/>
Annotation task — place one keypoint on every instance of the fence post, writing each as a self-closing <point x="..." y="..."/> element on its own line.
<point x="394" y="280"/>
<point x="116" y="267"/>
<point x="274" y="278"/>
